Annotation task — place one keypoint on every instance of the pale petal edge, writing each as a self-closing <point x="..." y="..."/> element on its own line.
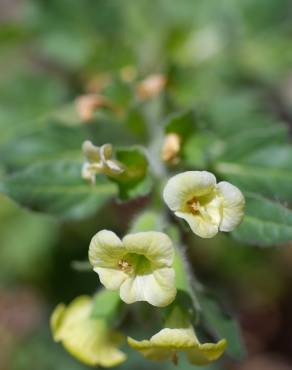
<point x="183" y="186"/>
<point x="198" y="225"/>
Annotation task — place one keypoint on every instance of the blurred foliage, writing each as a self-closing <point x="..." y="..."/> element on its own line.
<point x="228" y="93"/>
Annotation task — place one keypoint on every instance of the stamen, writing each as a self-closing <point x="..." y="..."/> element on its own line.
<point x="194" y="205"/>
<point x="125" y="266"/>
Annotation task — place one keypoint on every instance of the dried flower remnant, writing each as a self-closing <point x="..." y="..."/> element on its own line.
<point x="87" y="338"/>
<point x="171" y="148"/>
<point x="139" y="265"/>
<point x="87" y="104"/>
<point x="99" y="160"/>
<point x="151" y="86"/>
<point x="205" y="205"/>
<point x="178" y="336"/>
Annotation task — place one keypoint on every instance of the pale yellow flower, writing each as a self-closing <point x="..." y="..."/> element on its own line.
<point x="84" y="337"/>
<point x="99" y="160"/>
<point x="178" y="336"/>
<point x="140" y="265"/>
<point x="205" y="205"/>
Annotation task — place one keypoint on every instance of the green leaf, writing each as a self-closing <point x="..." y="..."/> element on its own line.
<point x="136" y="122"/>
<point x="135" y="181"/>
<point x="222" y="325"/>
<point x="273" y="182"/>
<point x="106" y="303"/>
<point x="230" y="113"/>
<point x="182" y="124"/>
<point x="26" y="242"/>
<point x="57" y="188"/>
<point x="238" y="146"/>
<point x="119" y="93"/>
<point x="148" y="220"/>
<point x="277" y="156"/>
<point x="49" y="143"/>
<point x="56" y="141"/>
<point x="199" y="148"/>
<point x="265" y="223"/>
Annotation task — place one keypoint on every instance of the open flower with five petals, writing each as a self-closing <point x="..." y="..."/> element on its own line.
<point x="87" y="338"/>
<point x="205" y="205"/>
<point x="178" y="336"/>
<point x="139" y="265"/>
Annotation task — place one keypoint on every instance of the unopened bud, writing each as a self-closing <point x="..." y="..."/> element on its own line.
<point x="86" y="105"/>
<point x="151" y="86"/>
<point x="171" y="148"/>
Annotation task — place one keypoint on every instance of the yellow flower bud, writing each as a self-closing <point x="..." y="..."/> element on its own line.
<point x="171" y="148"/>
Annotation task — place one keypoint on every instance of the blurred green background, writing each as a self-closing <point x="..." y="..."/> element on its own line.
<point x="223" y="55"/>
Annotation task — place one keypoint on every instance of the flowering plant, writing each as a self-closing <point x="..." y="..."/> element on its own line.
<point x="145" y="175"/>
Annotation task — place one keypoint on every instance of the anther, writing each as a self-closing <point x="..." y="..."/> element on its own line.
<point x="124" y="266"/>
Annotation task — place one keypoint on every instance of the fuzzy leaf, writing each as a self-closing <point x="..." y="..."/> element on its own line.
<point x="57" y="188"/>
<point x="182" y="124"/>
<point x="265" y="223"/>
<point x="135" y="180"/>
<point x="222" y="325"/>
<point x="237" y="146"/>
<point x="273" y="182"/>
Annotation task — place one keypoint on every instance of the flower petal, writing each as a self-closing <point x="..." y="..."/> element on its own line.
<point x="110" y="278"/>
<point x="110" y="357"/>
<point x="87" y="172"/>
<point x="105" y="249"/>
<point x="203" y="354"/>
<point x="157" y="288"/>
<point x="233" y="206"/>
<point x="154" y="245"/>
<point x="199" y="225"/>
<point x="162" y="290"/>
<point x="146" y="348"/>
<point x="56" y="321"/>
<point x="86" y="338"/>
<point x="175" y="338"/>
<point x="163" y="344"/>
<point x="187" y="185"/>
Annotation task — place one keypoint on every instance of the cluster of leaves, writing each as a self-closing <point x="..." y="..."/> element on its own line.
<point x="254" y="153"/>
<point x="222" y="63"/>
